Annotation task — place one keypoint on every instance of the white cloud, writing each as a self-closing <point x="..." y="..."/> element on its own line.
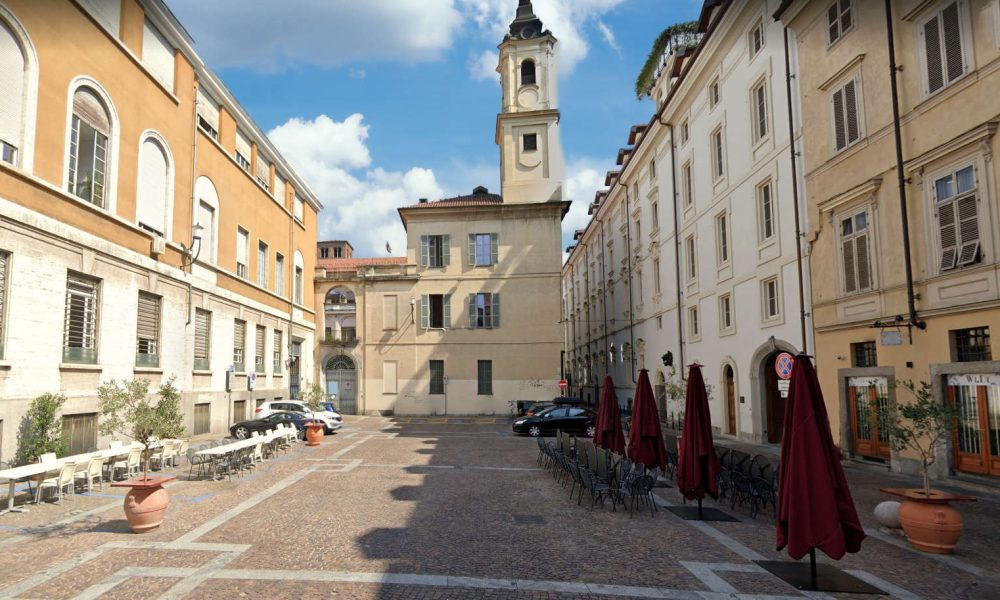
<point x="360" y="202"/>
<point x="484" y="66"/>
<point x="609" y="37"/>
<point x="266" y="35"/>
<point x="565" y="18"/>
<point x="584" y="176"/>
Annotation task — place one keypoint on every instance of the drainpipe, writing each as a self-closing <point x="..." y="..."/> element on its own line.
<point x="194" y="199"/>
<point x="604" y="300"/>
<point x="631" y="304"/>
<point x="677" y="252"/>
<point x="893" y="68"/>
<point x="795" y="196"/>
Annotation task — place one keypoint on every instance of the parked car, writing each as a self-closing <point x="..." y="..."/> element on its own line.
<point x="331" y="420"/>
<point x="571" y="419"/>
<point x="538" y="407"/>
<point x="245" y="429"/>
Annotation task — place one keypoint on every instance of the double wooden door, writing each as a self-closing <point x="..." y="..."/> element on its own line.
<point x="977" y="434"/>
<point x="869" y="402"/>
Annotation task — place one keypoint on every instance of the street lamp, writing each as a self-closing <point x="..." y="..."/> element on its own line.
<point x="189" y="253"/>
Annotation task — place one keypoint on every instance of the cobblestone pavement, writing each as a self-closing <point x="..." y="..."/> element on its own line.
<point x="423" y="508"/>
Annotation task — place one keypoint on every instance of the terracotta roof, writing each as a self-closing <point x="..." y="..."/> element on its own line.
<point x="635" y="132"/>
<point x="610" y="177"/>
<point x="479" y="197"/>
<point x="622" y="153"/>
<point x="353" y="264"/>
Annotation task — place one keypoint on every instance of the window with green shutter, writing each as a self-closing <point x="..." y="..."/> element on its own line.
<point x="435" y="250"/>
<point x="437" y="377"/>
<point x="258" y="358"/>
<point x="147" y="345"/>
<point x="435" y="311"/>
<point x="483" y="249"/>
<point x="484" y="376"/>
<point x="239" y="345"/>
<point x="4" y="269"/>
<point x="80" y="325"/>
<point x="202" y="340"/>
<point x="484" y="311"/>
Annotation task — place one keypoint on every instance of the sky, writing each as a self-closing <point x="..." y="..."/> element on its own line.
<point x="377" y="103"/>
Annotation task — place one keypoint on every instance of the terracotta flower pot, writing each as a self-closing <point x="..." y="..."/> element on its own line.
<point x="146" y="502"/>
<point x="314" y="434"/>
<point x="931" y="523"/>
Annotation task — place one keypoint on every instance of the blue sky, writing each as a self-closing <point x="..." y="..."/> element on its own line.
<point x="415" y="75"/>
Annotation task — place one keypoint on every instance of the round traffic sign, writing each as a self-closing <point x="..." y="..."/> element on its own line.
<point x="783" y="365"/>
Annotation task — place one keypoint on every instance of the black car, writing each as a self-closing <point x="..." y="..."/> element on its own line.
<point x="538" y="407"/>
<point x="571" y="419"/>
<point x="245" y="429"/>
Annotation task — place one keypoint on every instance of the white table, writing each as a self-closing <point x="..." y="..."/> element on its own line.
<point x="239" y="444"/>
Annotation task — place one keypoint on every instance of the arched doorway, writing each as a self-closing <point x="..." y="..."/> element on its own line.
<point x="774" y="402"/>
<point x="729" y="381"/>
<point x="342" y="380"/>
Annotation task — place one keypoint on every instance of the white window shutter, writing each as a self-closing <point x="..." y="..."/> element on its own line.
<point x="152" y="193"/>
<point x="472" y="249"/>
<point x="208" y="109"/>
<point x="425" y="311"/>
<point x="263" y="169"/>
<point x="242" y="243"/>
<point x="472" y="311"/>
<point x="948" y="235"/>
<point x="496" y="310"/>
<point x="968" y="228"/>
<point x="279" y="189"/>
<point x="445" y="250"/>
<point x="107" y="13"/>
<point x="424" y="250"/>
<point x="243" y="145"/>
<point x="850" y="272"/>
<point x="158" y="55"/>
<point x="446" y="320"/>
<point x="12" y="84"/>
<point x="494" y="248"/>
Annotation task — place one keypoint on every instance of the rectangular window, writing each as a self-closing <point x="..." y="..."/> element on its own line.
<point x="722" y="238"/>
<point x="483" y="249"/>
<point x="202" y="340"/>
<point x="659" y="321"/>
<point x="692" y="259"/>
<point x="239" y="345"/>
<point x="262" y="264"/>
<point x="654" y="209"/>
<point x="693" y="321"/>
<point x="839" y="19"/>
<point x="435" y="250"/>
<point x="484" y="377"/>
<point x="88" y="155"/>
<point x="202" y="419"/>
<point x="324" y="253"/>
<point x="279" y="189"/>
<point x="855" y="252"/>
<point x="969" y="345"/>
<point x="279" y="274"/>
<point x="714" y="93"/>
<point x="484" y="311"/>
<point x="652" y="170"/>
<point x="243" y="152"/>
<point x="158" y="55"/>
<point x="864" y="354"/>
<point x="656" y="276"/>
<point x="943" y="46"/>
<point x="684" y="132"/>
<point x="755" y="38"/>
<point x="208" y="114"/>
<point x="847" y="114"/>
<point x="276" y="352"/>
<point x="259" y="345"/>
<point x="80" y="433"/>
<point x="8" y="152"/>
<point x="242" y="253"/>
<point x="147" y="350"/>
<point x="772" y="305"/>
<point x="299" y="285"/>
<point x="81" y="320"/>
<point x="758" y="102"/>
<point x="298" y="208"/>
<point x="956" y="201"/>
<point x="263" y="171"/>
<point x="765" y="212"/>
<point x="437" y="376"/>
<point x="390" y="375"/>
<point x="4" y="270"/>
<point x="206" y="218"/>
<point x="687" y="184"/>
<point x="638" y="232"/>
<point x="338" y="252"/>
<point x="530" y="142"/>
<point x="435" y="311"/>
<point x="725" y="312"/>
<point x="718" y="155"/>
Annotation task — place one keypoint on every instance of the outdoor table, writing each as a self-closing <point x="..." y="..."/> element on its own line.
<point x="238" y="444"/>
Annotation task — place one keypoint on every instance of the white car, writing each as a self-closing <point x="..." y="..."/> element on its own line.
<point x="330" y="419"/>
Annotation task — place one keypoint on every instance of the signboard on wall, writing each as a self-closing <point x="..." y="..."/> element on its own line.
<point x="783" y="386"/>
<point x="979" y="379"/>
<point x="893" y="337"/>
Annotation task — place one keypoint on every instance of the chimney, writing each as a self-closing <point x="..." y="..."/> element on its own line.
<point x="478" y="190"/>
<point x="423" y="201"/>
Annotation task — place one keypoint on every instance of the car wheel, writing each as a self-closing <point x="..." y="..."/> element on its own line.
<point x="534" y="431"/>
<point x="591" y="430"/>
<point x="241" y="433"/>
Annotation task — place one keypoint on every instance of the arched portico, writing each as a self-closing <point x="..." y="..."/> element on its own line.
<point x="766" y="403"/>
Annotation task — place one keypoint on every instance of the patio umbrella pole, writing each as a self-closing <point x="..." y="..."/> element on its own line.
<point x="812" y="567"/>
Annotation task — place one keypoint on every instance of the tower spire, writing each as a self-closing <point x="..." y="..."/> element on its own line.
<point x="525" y="25"/>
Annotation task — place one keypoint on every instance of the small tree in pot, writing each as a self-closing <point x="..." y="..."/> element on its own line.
<point x="921" y="426"/>
<point x="313" y="397"/>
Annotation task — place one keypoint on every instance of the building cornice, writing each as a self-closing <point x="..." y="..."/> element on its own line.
<point x="979" y="135"/>
<point x="866" y="189"/>
<point x="850" y="66"/>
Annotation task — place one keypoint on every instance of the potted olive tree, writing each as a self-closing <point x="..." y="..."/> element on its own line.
<point x="126" y="409"/>
<point x="313" y="397"/>
<point x="930" y="522"/>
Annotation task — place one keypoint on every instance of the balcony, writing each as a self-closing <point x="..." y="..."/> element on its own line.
<point x="341" y="308"/>
<point x="342" y="340"/>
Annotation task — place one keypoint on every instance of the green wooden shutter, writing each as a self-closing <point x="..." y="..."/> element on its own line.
<point x="424" y="252"/>
<point x="446" y="321"/>
<point x="496" y="310"/>
<point x="445" y="250"/>
<point x="472" y="249"/>
<point x="425" y="311"/>
<point x="494" y="248"/>
<point x="472" y="311"/>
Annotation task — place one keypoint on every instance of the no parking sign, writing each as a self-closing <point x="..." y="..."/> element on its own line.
<point x="783" y="365"/>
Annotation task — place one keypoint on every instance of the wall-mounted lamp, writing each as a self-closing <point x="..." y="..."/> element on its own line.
<point x="413" y="308"/>
<point x="189" y="254"/>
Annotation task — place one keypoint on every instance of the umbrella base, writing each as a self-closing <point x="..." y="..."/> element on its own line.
<point x="828" y="577"/>
<point x="690" y="513"/>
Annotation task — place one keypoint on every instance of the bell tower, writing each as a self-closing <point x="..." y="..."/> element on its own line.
<point x="531" y="159"/>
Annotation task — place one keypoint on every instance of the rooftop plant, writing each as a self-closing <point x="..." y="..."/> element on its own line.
<point x="647" y="75"/>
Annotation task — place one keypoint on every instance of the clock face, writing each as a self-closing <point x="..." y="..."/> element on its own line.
<point x="527" y="32"/>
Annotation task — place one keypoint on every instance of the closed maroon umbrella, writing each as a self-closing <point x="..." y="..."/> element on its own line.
<point x="645" y="438"/>
<point x="815" y="508"/>
<point x="697" y="464"/>
<point x="609" y="420"/>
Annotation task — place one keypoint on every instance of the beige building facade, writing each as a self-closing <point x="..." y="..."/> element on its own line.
<point x="869" y="335"/>
<point x="468" y="322"/>
<point x="148" y="228"/>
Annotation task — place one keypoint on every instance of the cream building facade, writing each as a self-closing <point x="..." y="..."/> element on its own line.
<point x="148" y="228"/>
<point x="468" y="321"/>
<point x="869" y="336"/>
<point x="690" y="253"/>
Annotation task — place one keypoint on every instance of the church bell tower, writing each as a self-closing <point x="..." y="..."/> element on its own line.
<point x="531" y="159"/>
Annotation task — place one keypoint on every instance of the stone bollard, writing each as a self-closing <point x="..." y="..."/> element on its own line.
<point x="887" y="514"/>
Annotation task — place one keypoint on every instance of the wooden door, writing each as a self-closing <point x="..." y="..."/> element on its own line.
<point x="731" y="400"/>
<point x="976" y="437"/>
<point x="868" y="398"/>
<point x="775" y="403"/>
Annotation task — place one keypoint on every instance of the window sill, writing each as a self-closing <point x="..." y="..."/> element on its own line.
<point x="277" y="375"/>
<point x="4" y="365"/>
<point x="148" y="370"/>
<point x="200" y="372"/>
<point x="80" y="367"/>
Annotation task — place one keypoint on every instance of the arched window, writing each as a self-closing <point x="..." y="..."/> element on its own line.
<point x="153" y="205"/>
<point x="18" y="92"/>
<point x="528" y="72"/>
<point x="206" y="208"/>
<point x="89" y="146"/>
